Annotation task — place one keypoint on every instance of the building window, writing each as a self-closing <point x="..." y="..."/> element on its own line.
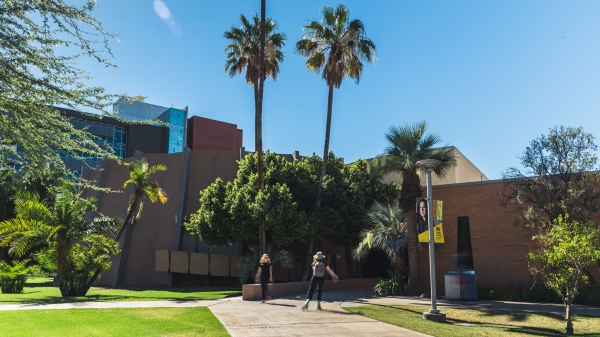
<point x="464" y="259"/>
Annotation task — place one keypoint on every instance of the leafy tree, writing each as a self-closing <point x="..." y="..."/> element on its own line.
<point x="559" y="174"/>
<point x="563" y="254"/>
<point x="9" y="179"/>
<point x="256" y="49"/>
<point x="73" y="245"/>
<point x="385" y="231"/>
<point x="229" y="211"/>
<point x="348" y="193"/>
<point x="407" y="145"/>
<point x="337" y="48"/>
<point x="40" y="43"/>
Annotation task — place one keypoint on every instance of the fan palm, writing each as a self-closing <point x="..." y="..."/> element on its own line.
<point x="407" y="145"/>
<point x="336" y="47"/>
<point x="256" y="49"/>
<point x="57" y="228"/>
<point x="386" y="231"/>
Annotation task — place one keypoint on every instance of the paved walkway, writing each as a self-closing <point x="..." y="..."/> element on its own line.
<point x="284" y="317"/>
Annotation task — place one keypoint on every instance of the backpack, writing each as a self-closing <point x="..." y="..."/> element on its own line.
<point x="319" y="269"/>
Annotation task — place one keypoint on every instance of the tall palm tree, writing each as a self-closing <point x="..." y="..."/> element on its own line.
<point x="385" y="231"/>
<point x="337" y="47"/>
<point x="406" y="145"/>
<point x="60" y="228"/>
<point x="256" y="49"/>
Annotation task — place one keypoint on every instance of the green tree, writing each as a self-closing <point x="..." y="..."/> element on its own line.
<point x="40" y="43"/>
<point x="385" y="231"/>
<point x="337" y="48"/>
<point x="562" y="256"/>
<point x="230" y="212"/>
<point x="256" y="49"/>
<point x="73" y="246"/>
<point x="406" y="145"/>
<point x="559" y="174"/>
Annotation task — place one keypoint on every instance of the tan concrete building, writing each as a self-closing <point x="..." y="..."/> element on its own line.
<point x="464" y="171"/>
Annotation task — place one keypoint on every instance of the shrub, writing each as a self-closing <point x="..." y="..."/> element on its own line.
<point x="388" y="287"/>
<point x="494" y="293"/>
<point x="12" y="278"/>
<point x="541" y="293"/>
<point x="588" y="295"/>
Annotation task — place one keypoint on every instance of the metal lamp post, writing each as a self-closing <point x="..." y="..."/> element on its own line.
<point x="433" y="314"/>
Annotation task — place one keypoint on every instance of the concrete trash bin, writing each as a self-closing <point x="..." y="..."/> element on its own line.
<point x="461" y="285"/>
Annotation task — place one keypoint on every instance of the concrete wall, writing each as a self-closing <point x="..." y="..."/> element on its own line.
<point x="160" y="228"/>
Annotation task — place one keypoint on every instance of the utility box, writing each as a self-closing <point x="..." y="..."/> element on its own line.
<point x="461" y="285"/>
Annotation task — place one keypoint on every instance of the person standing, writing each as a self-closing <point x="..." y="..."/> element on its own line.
<point x="319" y="268"/>
<point x="264" y="274"/>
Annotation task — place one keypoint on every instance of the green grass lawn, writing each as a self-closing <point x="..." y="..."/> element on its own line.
<point x="484" y="323"/>
<point x="41" y="290"/>
<point x="112" y="322"/>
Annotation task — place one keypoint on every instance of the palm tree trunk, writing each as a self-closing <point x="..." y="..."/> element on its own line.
<point x="411" y="190"/>
<point x="128" y="219"/>
<point x="326" y="147"/>
<point x="61" y="252"/>
<point x="323" y="172"/>
<point x="258" y="126"/>
<point x="414" y="284"/>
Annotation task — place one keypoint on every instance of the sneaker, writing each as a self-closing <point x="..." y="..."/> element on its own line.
<point x="304" y="307"/>
<point x="319" y="307"/>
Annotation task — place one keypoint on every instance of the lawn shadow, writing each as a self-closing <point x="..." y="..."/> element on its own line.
<point x="516" y="316"/>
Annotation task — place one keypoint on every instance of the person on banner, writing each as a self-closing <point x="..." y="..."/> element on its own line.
<point x="422" y="224"/>
<point x="319" y="268"/>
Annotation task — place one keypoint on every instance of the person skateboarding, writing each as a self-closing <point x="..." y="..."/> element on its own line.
<point x="319" y="268"/>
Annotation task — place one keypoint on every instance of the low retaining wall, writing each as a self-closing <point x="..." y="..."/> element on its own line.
<point x="251" y="292"/>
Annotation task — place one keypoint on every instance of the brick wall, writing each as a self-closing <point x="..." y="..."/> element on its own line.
<point x="209" y="135"/>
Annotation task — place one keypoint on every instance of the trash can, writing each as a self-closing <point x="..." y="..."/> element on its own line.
<point x="461" y="285"/>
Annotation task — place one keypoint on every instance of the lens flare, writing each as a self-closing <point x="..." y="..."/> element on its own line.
<point x="162" y="10"/>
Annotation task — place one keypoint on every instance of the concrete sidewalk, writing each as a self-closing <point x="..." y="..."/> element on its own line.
<point x="283" y="317"/>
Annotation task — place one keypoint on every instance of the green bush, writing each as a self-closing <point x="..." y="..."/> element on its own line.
<point x="388" y="287"/>
<point x="540" y="293"/>
<point x="494" y="293"/>
<point x="12" y="278"/>
<point x="588" y="295"/>
<point x="12" y="283"/>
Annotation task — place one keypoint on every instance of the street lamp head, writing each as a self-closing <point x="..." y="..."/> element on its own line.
<point x="428" y="164"/>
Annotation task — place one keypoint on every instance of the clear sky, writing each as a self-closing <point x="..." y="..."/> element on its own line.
<point x="488" y="76"/>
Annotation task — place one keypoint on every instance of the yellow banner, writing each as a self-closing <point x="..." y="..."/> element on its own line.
<point x="422" y="224"/>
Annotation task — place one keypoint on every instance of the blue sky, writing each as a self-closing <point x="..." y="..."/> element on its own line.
<point x="488" y="76"/>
